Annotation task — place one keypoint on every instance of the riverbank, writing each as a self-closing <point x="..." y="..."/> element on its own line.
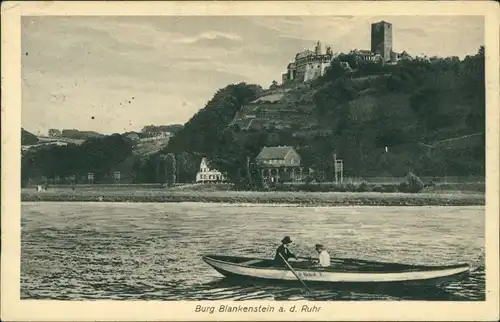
<point x="279" y="197"/>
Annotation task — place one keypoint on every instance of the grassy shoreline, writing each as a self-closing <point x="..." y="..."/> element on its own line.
<point x="246" y="197"/>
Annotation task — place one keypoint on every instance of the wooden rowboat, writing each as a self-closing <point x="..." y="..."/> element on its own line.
<point x="342" y="270"/>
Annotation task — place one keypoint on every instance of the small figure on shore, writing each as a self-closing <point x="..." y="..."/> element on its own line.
<point x="284" y="251"/>
<point x="324" y="257"/>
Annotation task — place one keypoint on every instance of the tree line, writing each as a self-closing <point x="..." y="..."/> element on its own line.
<point x="414" y="102"/>
<point x="99" y="155"/>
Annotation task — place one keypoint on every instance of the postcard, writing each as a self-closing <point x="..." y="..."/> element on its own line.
<point x="250" y="161"/>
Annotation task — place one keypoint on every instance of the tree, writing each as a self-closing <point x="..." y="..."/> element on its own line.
<point x="54" y="133"/>
<point x="136" y="169"/>
<point x="334" y="71"/>
<point x="170" y="169"/>
<point x="350" y="58"/>
<point x="79" y="135"/>
<point x="187" y="166"/>
<point x="207" y="132"/>
<point x="149" y="172"/>
<point x="229" y="156"/>
<point x="173" y="128"/>
<point x="160" y="172"/>
<point x="201" y="132"/>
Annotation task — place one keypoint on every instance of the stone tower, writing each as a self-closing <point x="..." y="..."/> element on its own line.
<point x="382" y="39"/>
<point x="318" y="48"/>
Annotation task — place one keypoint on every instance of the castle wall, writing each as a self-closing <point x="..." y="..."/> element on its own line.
<point x="307" y="66"/>
<point x="315" y="70"/>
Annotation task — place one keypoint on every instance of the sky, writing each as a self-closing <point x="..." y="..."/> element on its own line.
<point x="113" y="74"/>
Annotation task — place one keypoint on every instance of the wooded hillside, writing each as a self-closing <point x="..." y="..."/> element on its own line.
<point x="382" y="120"/>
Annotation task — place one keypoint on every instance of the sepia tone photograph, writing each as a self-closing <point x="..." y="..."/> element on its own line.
<point x="236" y="162"/>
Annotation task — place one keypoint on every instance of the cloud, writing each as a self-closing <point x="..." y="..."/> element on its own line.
<point x="210" y="35"/>
<point x="413" y="31"/>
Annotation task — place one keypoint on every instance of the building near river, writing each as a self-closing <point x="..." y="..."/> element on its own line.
<point x="206" y="174"/>
<point x="280" y="164"/>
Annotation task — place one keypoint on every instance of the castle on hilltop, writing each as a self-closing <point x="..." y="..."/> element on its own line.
<point x="309" y="65"/>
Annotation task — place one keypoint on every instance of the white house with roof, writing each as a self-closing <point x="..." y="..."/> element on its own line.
<point x="206" y="174"/>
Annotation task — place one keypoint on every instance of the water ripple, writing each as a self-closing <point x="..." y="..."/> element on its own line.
<point x="77" y="251"/>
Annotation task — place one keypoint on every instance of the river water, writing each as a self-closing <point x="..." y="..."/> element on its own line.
<point x="76" y="251"/>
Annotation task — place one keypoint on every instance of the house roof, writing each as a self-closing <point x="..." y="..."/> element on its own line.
<point x="272" y="153"/>
<point x="364" y="52"/>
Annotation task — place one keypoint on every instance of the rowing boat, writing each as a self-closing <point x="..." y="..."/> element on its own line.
<point x="341" y="270"/>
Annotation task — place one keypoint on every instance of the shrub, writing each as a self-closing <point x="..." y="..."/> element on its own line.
<point x="363" y="187"/>
<point x="403" y="187"/>
<point x="415" y="185"/>
<point x="390" y="188"/>
<point x="338" y="188"/>
<point x="394" y="84"/>
<point x="351" y="187"/>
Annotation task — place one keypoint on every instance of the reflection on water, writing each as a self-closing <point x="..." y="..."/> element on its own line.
<point x="153" y="251"/>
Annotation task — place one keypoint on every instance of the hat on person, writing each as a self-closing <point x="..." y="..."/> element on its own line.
<point x="319" y="246"/>
<point x="286" y="240"/>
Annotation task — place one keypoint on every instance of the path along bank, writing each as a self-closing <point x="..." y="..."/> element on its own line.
<point x="295" y="198"/>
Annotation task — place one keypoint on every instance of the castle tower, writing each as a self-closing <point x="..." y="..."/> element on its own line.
<point x="318" y="48"/>
<point x="382" y="39"/>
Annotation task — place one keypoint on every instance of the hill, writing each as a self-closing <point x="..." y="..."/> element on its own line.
<point x="279" y="109"/>
<point x="28" y="138"/>
<point x="377" y="118"/>
<point x="144" y="149"/>
<point x="202" y="132"/>
<point x="172" y="128"/>
<point x="381" y="120"/>
<point x="79" y="135"/>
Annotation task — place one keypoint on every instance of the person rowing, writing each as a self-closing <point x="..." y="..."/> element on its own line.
<point x="284" y="251"/>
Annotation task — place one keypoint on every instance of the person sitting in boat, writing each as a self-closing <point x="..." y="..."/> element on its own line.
<point x="324" y="257"/>
<point x="284" y="251"/>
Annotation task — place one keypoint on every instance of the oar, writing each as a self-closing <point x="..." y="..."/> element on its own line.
<point x="331" y="259"/>
<point x="306" y="258"/>
<point x="294" y="273"/>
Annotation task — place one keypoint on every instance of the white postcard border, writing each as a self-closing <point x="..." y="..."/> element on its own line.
<point x="14" y="309"/>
